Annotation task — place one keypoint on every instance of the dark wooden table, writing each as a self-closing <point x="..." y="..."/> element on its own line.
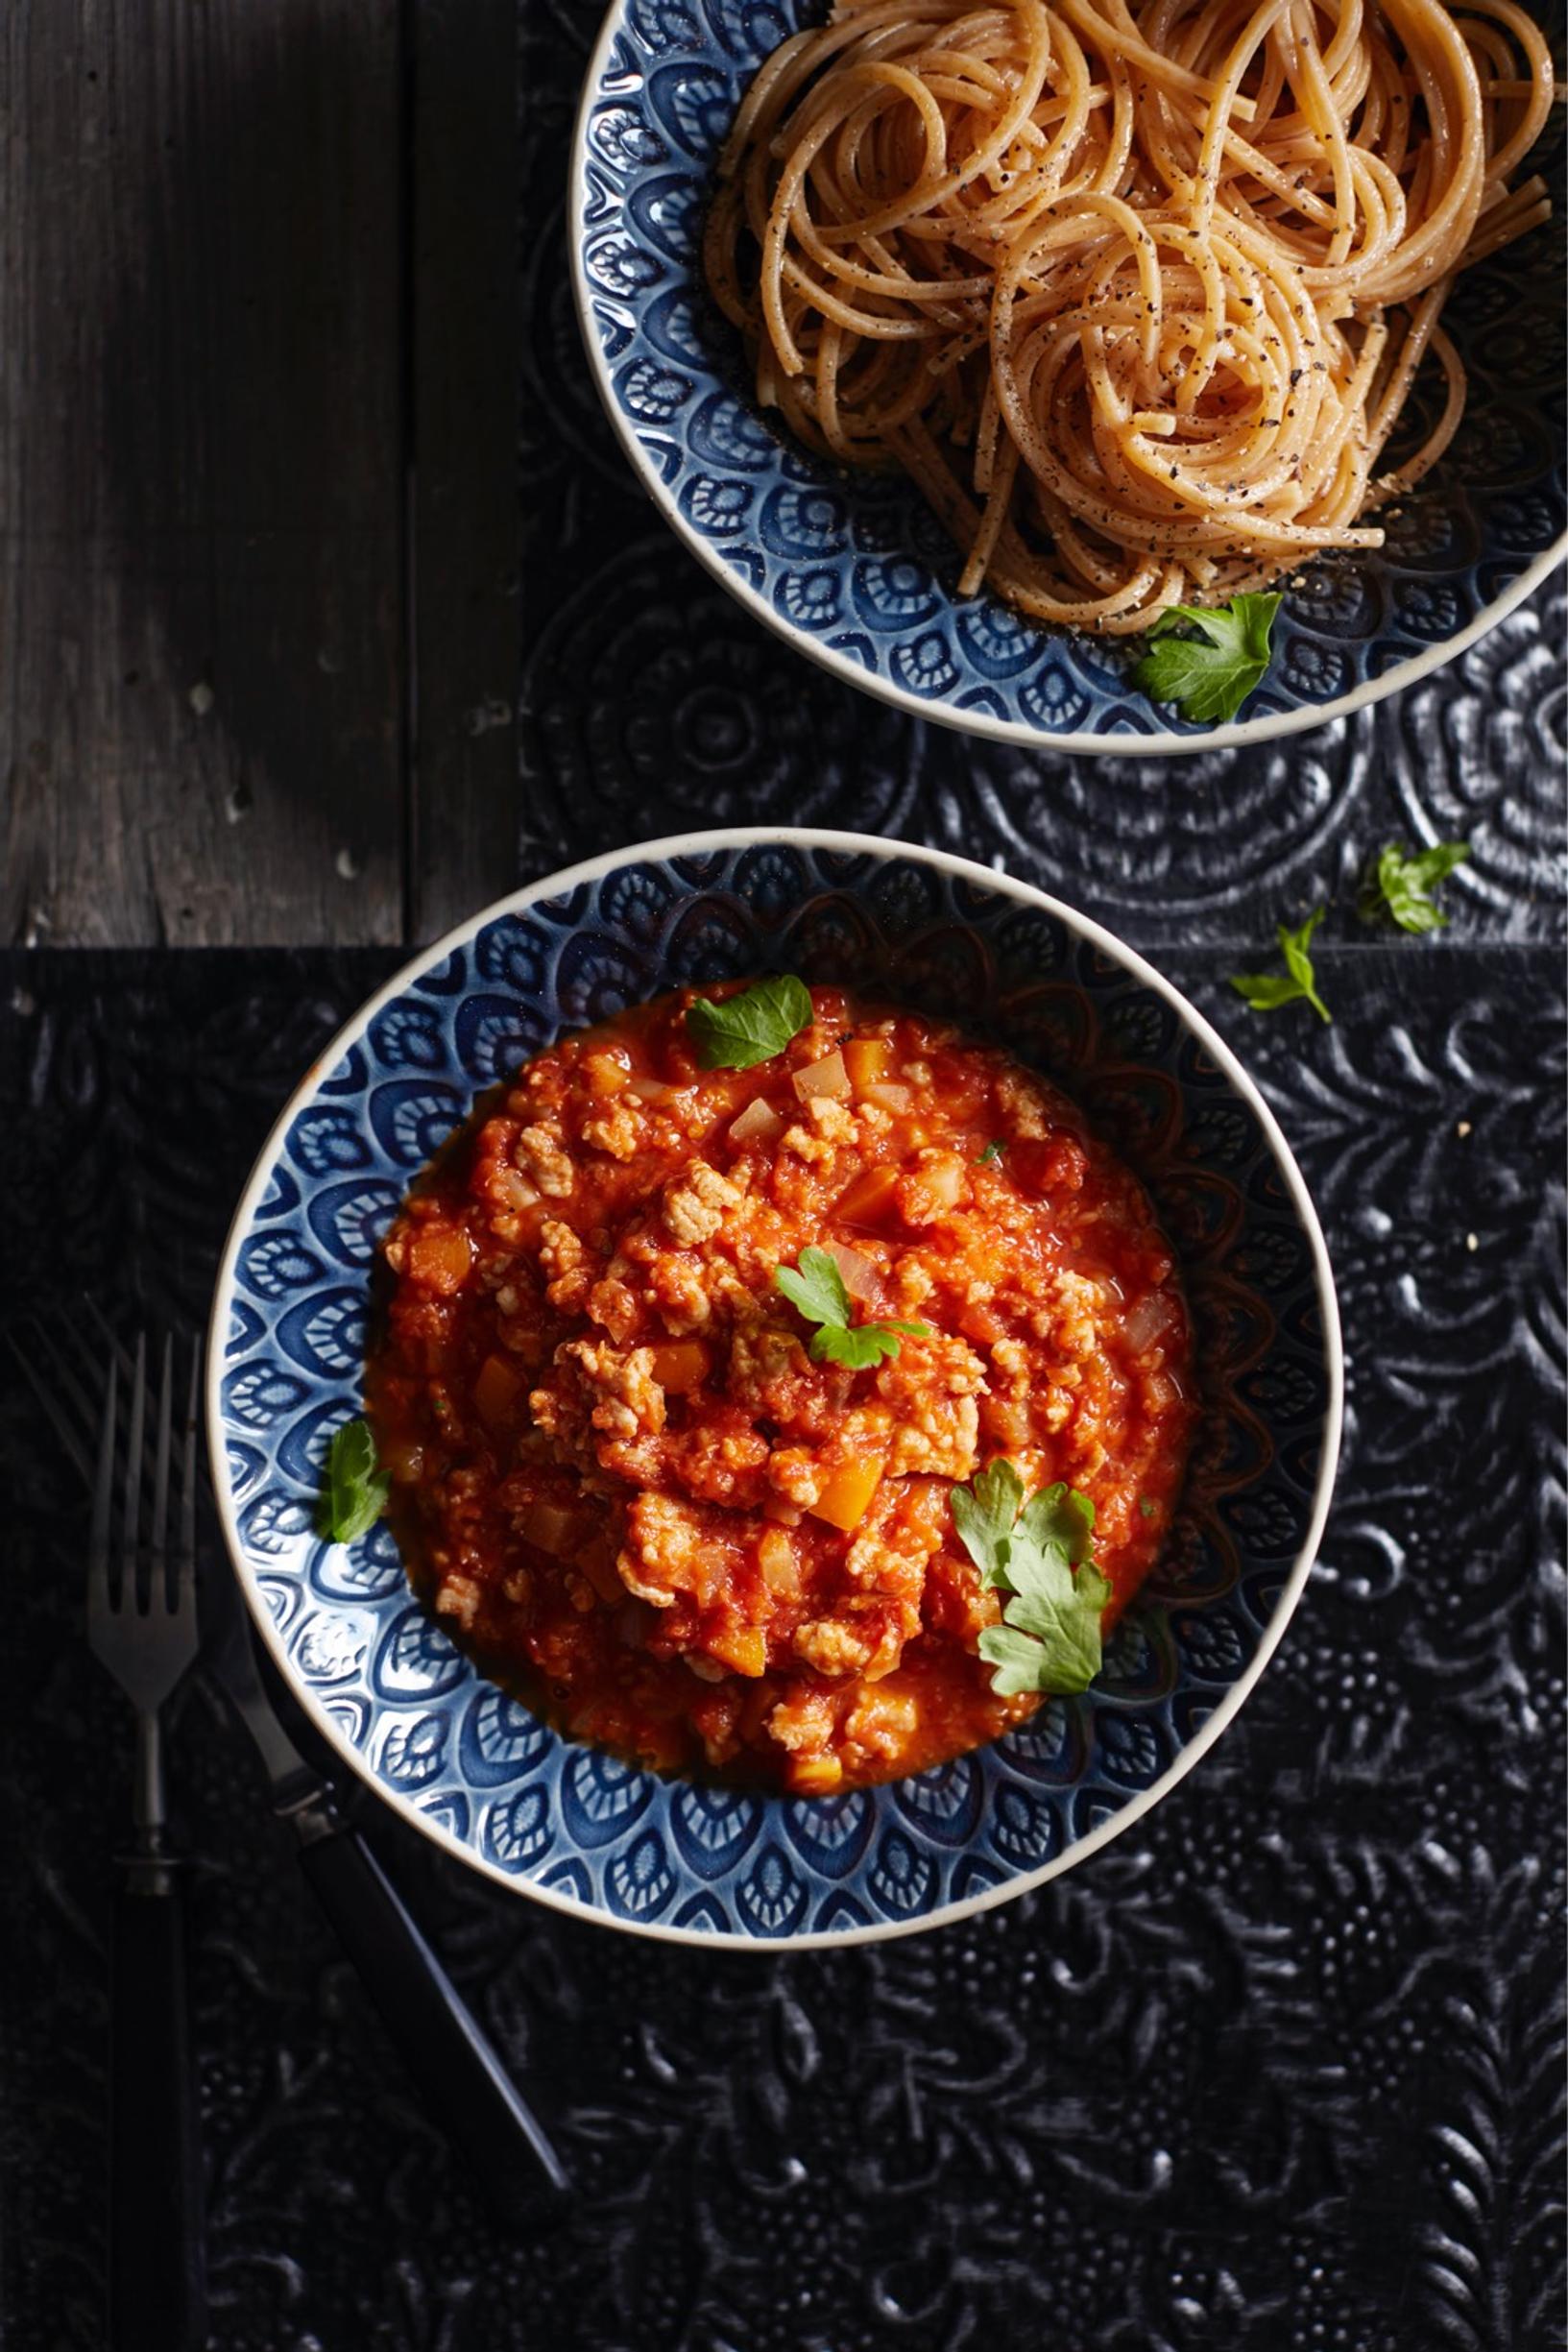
<point x="328" y="611"/>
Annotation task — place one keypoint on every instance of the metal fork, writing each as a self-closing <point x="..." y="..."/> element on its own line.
<point x="468" y="2090"/>
<point x="141" y="1625"/>
<point x="144" y="1631"/>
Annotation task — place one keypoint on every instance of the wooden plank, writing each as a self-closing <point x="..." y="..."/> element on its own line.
<point x="466" y="327"/>
<point x="201" y="472"/>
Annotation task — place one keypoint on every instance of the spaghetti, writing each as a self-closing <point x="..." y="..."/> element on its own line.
<point x="1135" y="293"/>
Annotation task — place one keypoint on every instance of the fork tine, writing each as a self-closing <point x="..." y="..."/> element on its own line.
<point x="131" y="1520"/>
<point x="119" y="1348"/>
<point x="75" y="1442"/>
<point x="192" y="1449"/>
<point x="108" y="1332"/>
<point x="158" y="1594"/>
<point x="103" y="1497"/>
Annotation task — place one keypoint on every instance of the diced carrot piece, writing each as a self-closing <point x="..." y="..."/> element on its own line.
<point x="604" y="1072"/>
<point x="678" y="1364"/>
<point x="496" y="1390"/>
<point x="742" y="1648"/>
<point x="870" y="1197"/>
<point x="439" y="1258"/>
<point x="865" y="1058"/>
<point x="843" y="1500"/>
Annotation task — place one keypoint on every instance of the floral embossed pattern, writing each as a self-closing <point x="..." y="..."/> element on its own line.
<point x="855" y="569"/>
<point x="1280" y="2070"/>
<point x="571" y="1824"/>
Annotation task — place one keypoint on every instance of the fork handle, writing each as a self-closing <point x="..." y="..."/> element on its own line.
<point x="455" y="2069"/>
<point x="158" y="2285"/>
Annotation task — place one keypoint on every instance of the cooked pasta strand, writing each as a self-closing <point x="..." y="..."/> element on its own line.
<point x="1135" y="290"/>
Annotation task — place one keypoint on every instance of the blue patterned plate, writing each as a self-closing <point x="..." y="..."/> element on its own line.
<point x="570" y="1825"/>
<point x="854" y="570"/>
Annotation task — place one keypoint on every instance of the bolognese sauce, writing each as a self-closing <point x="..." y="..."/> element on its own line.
<point x="626" y="1480"/>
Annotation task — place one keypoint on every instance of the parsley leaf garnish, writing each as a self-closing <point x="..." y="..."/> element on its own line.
<point x="1266" y="991"/>
<point x="817" y="1289"/>
<point x="993" y="1151"/>
<point x="742" y="1031"/>
<point x="1048" y="1639"/>
<point x="1402" y="886"/>
<point x="355" y="1492"/>
<point x="1211" y="675"/>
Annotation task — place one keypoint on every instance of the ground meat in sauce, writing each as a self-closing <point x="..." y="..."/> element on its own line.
<point x="622" y="1481"/>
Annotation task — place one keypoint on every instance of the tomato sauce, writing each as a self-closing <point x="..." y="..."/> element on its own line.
<point x="620" y="1477"/>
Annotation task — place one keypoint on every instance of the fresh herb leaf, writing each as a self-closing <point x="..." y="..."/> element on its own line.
<point x="1145" y="1506"/>
<point x="984" y="1514"/>
<point x="1057" y="1518"/>
<point x="1266" y="991"/>
<point x="864" y="1344"/>
<point x="1065" y="1650"/>
<point x="1402" y="886"/>
<point x="816" y="1288"/>
<point x="993" y="1151"/>
<point x="1040" y="1554"/>
<point x="1211" y="675"/>
<point x="355" y="1492"/>
<point x="742" y="1031"/>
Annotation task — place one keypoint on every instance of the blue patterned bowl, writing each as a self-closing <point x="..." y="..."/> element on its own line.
<point x="854" y="572"/>
<point x="570" y="1825"/>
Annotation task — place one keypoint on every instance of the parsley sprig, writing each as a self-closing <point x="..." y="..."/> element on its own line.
<point x="737" y="1032"/>
<point x="355" y="1490"/>
<point x="1266" y="991"/>
<point x="1402" y="886"/>
<point x="1208" y="676"/>
<point x="1040" y="1554"/>
<point x="816" y="1288"/>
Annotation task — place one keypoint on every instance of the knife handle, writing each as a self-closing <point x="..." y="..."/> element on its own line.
<point x="457" y="2073"/>
<point x="157" y="2265"/>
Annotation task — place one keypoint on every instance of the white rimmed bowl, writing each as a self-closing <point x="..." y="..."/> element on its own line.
<point x="578" y="1829"/>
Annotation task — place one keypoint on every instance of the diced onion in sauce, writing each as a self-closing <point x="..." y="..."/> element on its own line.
<point x="942" y="1181"/>
<point x="780" y="1570"/>
<point x="861" y="1277"/>
<point x="1154" y="1312"/>
<point x="758" y="1123"/>
<point x="826" y="1077"/>
<point x="550" y="1527"/>
<point x="649" y="1089"/>
<point x="889" y="1097"/>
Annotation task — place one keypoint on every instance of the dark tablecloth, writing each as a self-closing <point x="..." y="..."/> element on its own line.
<point x="1282" y="2066"/>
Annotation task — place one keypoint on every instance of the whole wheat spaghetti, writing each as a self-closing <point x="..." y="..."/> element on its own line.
<point x="1136" y="294"/>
